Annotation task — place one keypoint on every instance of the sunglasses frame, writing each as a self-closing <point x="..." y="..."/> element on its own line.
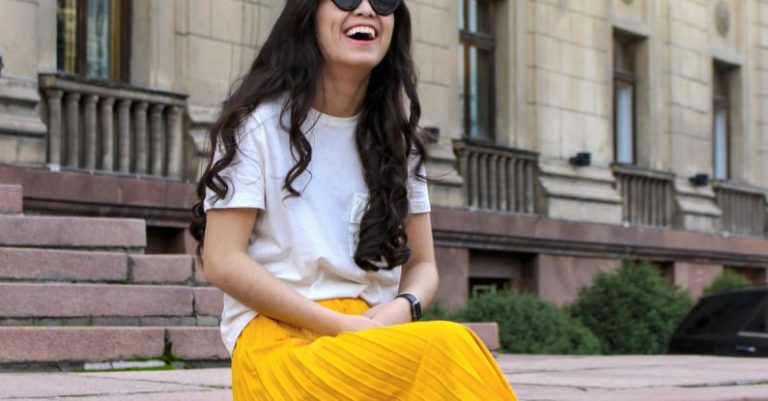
<point x="374" y="4"/>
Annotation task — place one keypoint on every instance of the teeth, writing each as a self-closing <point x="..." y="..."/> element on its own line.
<point x="361" y="29"/>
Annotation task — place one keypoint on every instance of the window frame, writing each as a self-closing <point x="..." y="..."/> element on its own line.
<point x="721" y="101"/>
<point x="482" y="41"/>
<point x="124" y="17"/>
<point x="627" y="77"/>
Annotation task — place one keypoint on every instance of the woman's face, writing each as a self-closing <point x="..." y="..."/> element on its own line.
<point x="335" y="26"/>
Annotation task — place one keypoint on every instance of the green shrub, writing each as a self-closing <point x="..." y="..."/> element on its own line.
<point x="632" y="310"/>
<point x="727" y="280"/>
<point x="436" y="311"/>
<point x="529" y="325"/>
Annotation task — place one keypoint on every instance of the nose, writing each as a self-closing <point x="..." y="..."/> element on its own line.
<point x="365" y="9"/>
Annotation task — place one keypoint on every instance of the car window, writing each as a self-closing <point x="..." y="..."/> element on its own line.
<point x="759" y="323"/>
<point x="721" y="315"/>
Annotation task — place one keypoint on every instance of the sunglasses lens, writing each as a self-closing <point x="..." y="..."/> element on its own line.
<point x="347" y="5"/>
<point x="384" y="7"/>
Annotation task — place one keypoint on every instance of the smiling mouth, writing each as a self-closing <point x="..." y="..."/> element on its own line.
<point x="361" y="33"/>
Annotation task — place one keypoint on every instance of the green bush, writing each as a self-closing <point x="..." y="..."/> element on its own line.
<point x="727" y="280"/>
<point x="632" y="310"/>
<point x="529" y="325"/>
<point x="437" y="311"/>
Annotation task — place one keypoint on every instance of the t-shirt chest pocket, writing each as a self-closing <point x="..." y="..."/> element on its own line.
<point x="359" y="204"/>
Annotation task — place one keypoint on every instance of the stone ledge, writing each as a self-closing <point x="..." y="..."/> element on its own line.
<point x="488" y="332"/>
<point x="43" y="344"/>
<point x="83" y="300"/>
<point x="72" y="232"/>
<point x="10" y="199"/>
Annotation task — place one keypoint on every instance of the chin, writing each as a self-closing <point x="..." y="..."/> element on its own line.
<point x="362" y="64"/>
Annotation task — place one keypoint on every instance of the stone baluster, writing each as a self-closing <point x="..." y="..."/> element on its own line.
<point x="107" y="134"/>
<point x="124" y="135"/>
<point x="483" y="178"/>
<point x="494" y="182"/>
<point x="503" y="184"/>
<point x="474" y="188"/>
<point x="464" y="171"/>
<point x="512" y="187"/>
<point x="73" y="129"/>
<point x="175" y="137"/>
<point x="520" y="185"/>
<point x="157" y="138"/>
<point x="90" y="131"/>
<point x="142" y="144"/>
<point x="54" y="125"/>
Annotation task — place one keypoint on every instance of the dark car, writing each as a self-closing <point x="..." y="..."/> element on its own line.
<point x="731" y="323"/>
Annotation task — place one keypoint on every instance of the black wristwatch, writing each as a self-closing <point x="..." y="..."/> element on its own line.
<point x="415" y="305"/>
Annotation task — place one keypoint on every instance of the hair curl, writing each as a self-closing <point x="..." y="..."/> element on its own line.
<point x="290" y="61"/>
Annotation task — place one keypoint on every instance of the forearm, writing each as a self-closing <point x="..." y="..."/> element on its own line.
<point x="251" y="284"/>
<point x="421" y="280"/>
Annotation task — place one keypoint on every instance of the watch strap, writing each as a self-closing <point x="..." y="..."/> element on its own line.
<point x="415" y="305"/>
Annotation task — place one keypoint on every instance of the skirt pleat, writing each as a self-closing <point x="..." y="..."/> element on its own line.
<point x="426" y="360"/>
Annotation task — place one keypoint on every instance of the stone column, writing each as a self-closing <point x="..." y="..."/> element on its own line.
<point x="124" y="135"/>
<point x="54" y="125"/>
<point x="174" y="141"/>
<point x="107" y="134"/>
<point x="90" y="131"/>
<point x="142" y="145"/>
<point x="73" y="129"/>
<point x="157" y="138"/>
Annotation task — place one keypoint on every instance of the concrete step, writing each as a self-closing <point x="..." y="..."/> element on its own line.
<point x="40" y="264"/>
<point x="10" y="199"/>
<point x="137" y="321"/>
<point x="26" y="300"/>
<point x="73" y="232"/>
<point x="20" y="345"/>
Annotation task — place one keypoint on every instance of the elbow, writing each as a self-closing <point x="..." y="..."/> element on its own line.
<point x="209" y="269"/>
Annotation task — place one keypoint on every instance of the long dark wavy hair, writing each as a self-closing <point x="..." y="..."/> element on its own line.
<point x="290" y="61"/>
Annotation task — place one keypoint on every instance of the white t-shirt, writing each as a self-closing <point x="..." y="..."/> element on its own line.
<point x="306" y="242"/>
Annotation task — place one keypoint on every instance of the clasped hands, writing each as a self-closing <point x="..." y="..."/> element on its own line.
<point x="396" y="311"/>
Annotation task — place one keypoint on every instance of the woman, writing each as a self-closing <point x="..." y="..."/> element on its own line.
<point x="308" y="240"/>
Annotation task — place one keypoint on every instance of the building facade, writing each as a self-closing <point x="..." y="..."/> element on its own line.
<point x="572" y="134"/>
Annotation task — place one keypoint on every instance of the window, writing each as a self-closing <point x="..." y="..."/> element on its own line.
<point x="93" y="38"/>
<point x="476" y="67"/>
<point x="759" y="322"/>
<point x="484" y="285"/>
<point x="725" y="314"/>
<point x="624" y="81"/>
<point x="720" y="123"/>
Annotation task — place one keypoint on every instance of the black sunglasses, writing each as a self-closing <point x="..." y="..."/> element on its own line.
<point x="382" y="7"/>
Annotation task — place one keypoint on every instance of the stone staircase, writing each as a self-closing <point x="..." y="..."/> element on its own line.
<point x="79" y="290"/>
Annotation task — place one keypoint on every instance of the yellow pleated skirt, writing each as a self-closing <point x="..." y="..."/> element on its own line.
<point x="425" y="360"/>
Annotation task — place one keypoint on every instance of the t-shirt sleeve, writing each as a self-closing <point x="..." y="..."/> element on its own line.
<point x="244" y="175"/>
<point x="418" y="194"/>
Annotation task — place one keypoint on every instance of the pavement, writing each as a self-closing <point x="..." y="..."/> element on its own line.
<point x="534" y="378"/>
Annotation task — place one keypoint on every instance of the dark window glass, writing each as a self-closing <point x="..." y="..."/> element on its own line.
<point x="722" y="315"/>
<point x="93" y="38"/>
<point x="720" y="124"/>
<point x="476" y="67"/>
<point x="759" y="323"/>
<point x="624" y="79"/>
